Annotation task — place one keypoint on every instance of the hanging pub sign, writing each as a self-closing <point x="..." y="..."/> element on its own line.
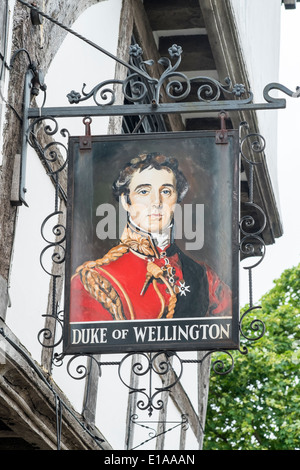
<point x="152" y="243"/>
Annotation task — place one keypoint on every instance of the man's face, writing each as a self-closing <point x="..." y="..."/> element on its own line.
<point x="153" y="197"/>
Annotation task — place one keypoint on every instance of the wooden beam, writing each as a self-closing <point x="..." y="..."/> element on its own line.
<point x="144" y="36"/>
<point x="228" y="55"/>
<point x="181" y="399"/>
<point x="170" y="14"/>
<point x="91" y="391"/>
<point x="7" y="434"/>
<point x="131" y="407"/>
<point x="203" y="389"/>
<point x="28" y="404"/>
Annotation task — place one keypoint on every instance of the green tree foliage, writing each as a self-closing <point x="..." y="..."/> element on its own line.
<point x="257" y="405"/>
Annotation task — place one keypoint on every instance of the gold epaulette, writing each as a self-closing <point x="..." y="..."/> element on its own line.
<point x="99" y="286"/>
<point x="112" y="255"/>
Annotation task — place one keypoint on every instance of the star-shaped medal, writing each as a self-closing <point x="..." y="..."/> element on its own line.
<point x="183" y="288"/>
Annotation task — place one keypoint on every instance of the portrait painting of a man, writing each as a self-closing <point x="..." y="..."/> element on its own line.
<point x="147" y="274"/>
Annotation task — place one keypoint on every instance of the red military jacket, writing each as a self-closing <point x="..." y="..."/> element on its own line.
<point x="136" y="280"/>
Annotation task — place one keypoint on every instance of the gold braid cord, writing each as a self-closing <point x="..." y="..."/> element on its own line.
<point x="157" y="273"/>
<point x="102" y="290"/>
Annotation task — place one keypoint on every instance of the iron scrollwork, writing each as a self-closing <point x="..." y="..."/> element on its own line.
<point x="177" y="85"/>
<point x="54" y="157"/>
<point x="54" y="154"/>
<point x="153" y="433"/>
<point x="46" y="335"/>
<point x="220" y="366"/>
<point x="139" y="84"/>
<point x="251" y="228"/>
<point x="158" y="364"/>
<point x="162" y="364"/>
<point x="167" y="366"/>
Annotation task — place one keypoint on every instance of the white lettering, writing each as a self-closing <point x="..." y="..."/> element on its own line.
<point x="140" y="334"/>
<point x="188" y="222"/>
<point x="204" y="327"/>
<point x="170" y="459"/>
<point x="106" y="227"/>
<point x="216" y="329"/>
<point x="124" y="333"/>
<point x="89" y="335"/>
<point x="195" y="332"/>
<point x="116" y="460"/>
<point x="225" y="332"/>
<point x="116" y="334"/>
<point x="185" y="333"/>
<point x="76" y="336"/>
<point x="198" y="234"/>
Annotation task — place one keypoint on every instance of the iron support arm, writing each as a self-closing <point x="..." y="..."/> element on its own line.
<point x="140" y="109"/>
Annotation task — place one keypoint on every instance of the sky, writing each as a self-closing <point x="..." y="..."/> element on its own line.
<point x="285" y="253"/>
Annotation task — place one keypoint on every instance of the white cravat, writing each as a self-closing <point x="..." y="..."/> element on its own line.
<point x="161" y="240"/>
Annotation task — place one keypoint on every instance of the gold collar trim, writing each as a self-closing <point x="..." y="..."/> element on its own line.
<point x="139" y="241"/>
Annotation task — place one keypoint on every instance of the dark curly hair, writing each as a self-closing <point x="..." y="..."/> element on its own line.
<point x="149" y="160"/>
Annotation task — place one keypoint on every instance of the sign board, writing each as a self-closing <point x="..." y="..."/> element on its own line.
<point x="152" y="243"/>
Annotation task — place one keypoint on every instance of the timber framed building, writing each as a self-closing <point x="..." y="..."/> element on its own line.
<point x="39" y="407"/>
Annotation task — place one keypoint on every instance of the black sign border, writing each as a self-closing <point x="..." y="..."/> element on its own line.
<point x="103" y="348"/>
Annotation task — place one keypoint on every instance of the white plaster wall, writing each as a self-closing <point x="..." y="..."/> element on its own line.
<point x="77" y="63"/>
<point x="28" y="283"/>
<point x="258" y="24"/>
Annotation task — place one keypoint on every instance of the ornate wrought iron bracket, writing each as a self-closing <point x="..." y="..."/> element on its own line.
<point x="167" y="366"/>
<point x="145" y="92"/>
